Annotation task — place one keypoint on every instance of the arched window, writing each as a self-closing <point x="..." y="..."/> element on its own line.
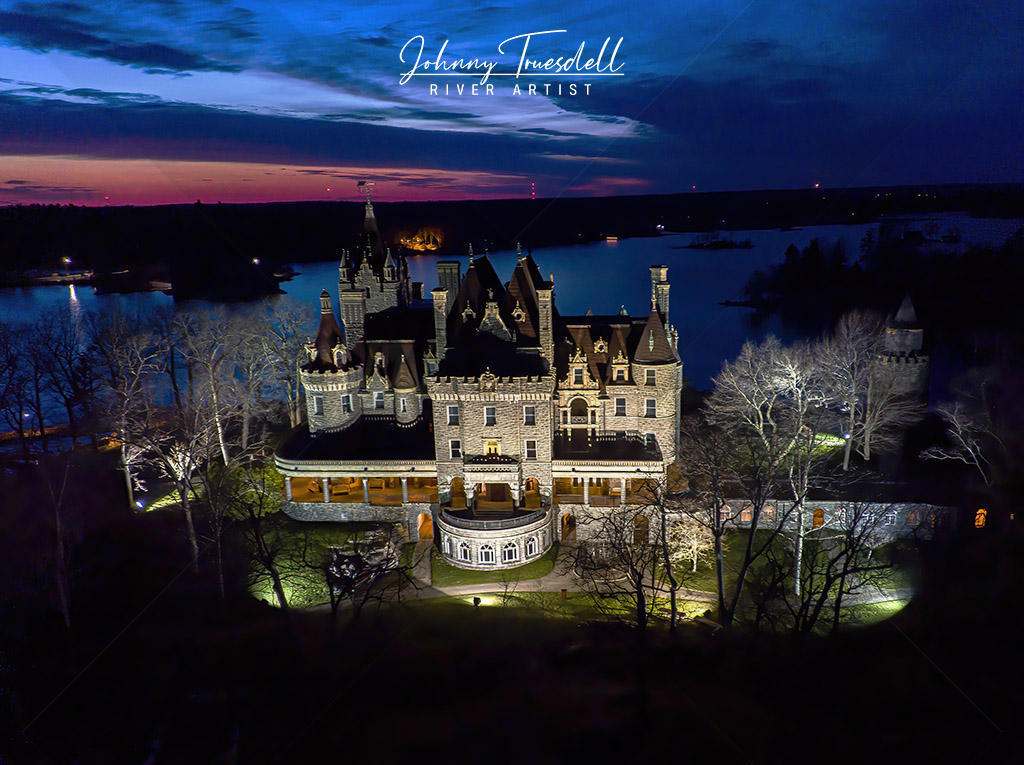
<point x="840" y="515"/>
<point x="819" y="517"/>
<point x="446" y="544"/>
<point x="747" y="514"/>
<point x="768" y="514"/>
<point x="979" y="518"/>
<point x="464" y="551"/>
<point x="724" y="514"/>
<point x="531" y="547"/>
<point x="487" y="553"/>
<point x="890" y="518"/>
<point x="509" y="552"/>
<point x="913" y="518"/>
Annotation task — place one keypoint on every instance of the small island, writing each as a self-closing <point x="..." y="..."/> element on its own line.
<point x="714" y="241"/>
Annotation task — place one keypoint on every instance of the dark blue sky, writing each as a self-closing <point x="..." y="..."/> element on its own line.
<point x="173" y="100"/>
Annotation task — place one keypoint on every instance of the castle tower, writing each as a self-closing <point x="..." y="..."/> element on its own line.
<point x="440" y="297"/>
<point x="903" y="351"/>
<point x="659" y="290"/>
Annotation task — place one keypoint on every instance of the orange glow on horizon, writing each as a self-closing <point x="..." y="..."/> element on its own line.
<point x="98" y="182"/>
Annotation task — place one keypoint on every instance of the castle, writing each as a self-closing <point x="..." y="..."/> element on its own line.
<point x="480" y="416"/>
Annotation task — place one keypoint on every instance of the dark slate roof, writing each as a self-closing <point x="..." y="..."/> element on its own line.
<point x="371" y="437"/>
<point x="328" y="335"/>
<point x="482" y="351"/>
<point x="906" y="317"/>
<point x="606" y="446"/>
<point x="479" y="286"/>
<point x="522" y="292"/>
<point x="653" y="346"/>
<point x="413" y="323"/>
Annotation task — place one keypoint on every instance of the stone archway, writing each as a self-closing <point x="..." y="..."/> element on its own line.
<point x="568" y="528"/>
<point x="425" y="524"/>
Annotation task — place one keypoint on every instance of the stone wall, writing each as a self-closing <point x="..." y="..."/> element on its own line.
<point x="408" y="516"/>
<point x="331" y="388"/>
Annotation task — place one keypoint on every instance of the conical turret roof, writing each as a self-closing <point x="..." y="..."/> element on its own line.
<point x="906" y="317"/>
<point x="654" y="347"/>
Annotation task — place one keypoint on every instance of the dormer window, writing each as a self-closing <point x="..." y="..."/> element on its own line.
<point x="378" y="400"/>
<point x="577" y="376"/>
<point x="518" y="314"/>
<point x="620" y="375"/>
<point x="468" y="314"/>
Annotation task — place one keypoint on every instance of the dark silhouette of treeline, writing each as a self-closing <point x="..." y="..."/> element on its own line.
<point x="226" y="251"/>
<point x="965" y="297"/>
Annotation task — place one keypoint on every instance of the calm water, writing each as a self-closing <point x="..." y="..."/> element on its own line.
<point x="600" y="276"/>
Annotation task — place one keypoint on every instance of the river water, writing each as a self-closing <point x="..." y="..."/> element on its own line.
<point x="600" y="276"/>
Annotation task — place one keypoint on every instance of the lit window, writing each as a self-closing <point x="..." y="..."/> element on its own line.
<point x="818" y="518"/>
<point x="402" y="405"/>
<point x="650" y="407"/>
<point x="979" y="519"/>
<point x="455" y="449"/>
<point x="725" y="514"/>
<point x="318" y="405"/>
<point x="913" y="518"/>
<point x="453" y="415"/>
<point x="493" y="448"/>
<point x="346" y="404"/>
<point x="650" y="378"/>
<point x="529" y="415"/>
<point x="620" y="407"/>
<point x="464" y="551"/>
<point x="487" y="553"/>
<point x="577" y="376"/>
<point x="768" y="514"/>
<point x="378" y="400"/>
<point x="490" y="415"/>
<point x="531" y="547"/>
<point x="531" y="450"/>
<point x="509" y="552"/>
<point x="747" y="515"/>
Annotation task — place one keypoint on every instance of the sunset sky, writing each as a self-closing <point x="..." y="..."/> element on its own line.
<point x="176" y="100"/>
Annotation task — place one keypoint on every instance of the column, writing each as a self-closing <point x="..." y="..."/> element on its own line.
<point x="470" y="494"/>
<point x="586" y="491"/>
<point x="405" y="491"/>
<point x="366" y="490"/>
<point x="622" y="491"/>
<point x="288" y="487"/>
<point x="327" y="489"/>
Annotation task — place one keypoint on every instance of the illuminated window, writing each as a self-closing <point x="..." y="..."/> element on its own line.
<point x="509" y="552"/>
<point x="620" y="407"/>
<point x="487" y="553"/>
<point x="650" y="377"/>
<point x="913" y="518"/>
<point x="493" y="449"/>
<point x="490" y="415"/>
<point x="464" y="551"/>
<point x="378" y="400"/>
<point x="650" y="407"/>
<point x="531" y="547"/>
<point x="455" y="450"/>
<point x="819" y="518"/>
<point x="724" y="514"/>
<point x="453" y="415"/>
<point x="346" y="404"/>
<point x="577" y="376"/>
<point x="768" y="514"/>
<point x="318" y="405"/>
<point x="747" y="514"/>
<point x="531" y="450"/>
<point x="979" y="519"/>
<point x="529" y="415"/>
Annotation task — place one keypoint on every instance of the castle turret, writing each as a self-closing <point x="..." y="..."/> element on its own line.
<point x="440" y="296"/>
<point x="659" y="290"/>
<point x="903" y="352"/>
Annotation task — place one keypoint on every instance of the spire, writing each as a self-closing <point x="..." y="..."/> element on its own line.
<point x="328" y="334"/>
<point x="470" y="252"/>
<point x="906" y="316"/>
<point x="388" y="262"/>
<point x="623" y="311"/>
<point x="654" y="347"/>
<point x="325" y="302"/>
<point x="519" y="251"/>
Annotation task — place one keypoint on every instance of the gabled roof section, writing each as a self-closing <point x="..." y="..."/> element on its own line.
<point x="479" y="285"/>
<point x="521" y="303"/>
<point x="653" y="346"/>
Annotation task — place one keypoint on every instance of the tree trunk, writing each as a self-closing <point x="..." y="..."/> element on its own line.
<point x="190" y="528"/>
<point x="719" y="574"/>
<point x="218" y="421"/>
<point x="39" y="416"/>
<point x="798" y="574"/>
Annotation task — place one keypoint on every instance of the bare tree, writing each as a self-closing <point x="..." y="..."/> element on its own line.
<point x="256" y="503"/>
<point x="206" y="337"/>
<point x="972" y="437"/>
<point x="690" y="541"/>
<point x="286" y="326"/>
<point x="71" y="370"/>
<point x="14" y="389"/>
<point x="872" y="407"/>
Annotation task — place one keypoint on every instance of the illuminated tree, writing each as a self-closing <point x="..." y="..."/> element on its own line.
<point x="690" y="541"/>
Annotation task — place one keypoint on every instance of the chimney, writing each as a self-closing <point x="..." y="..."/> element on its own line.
<point x="353" y="315"/>
<point x="449" y="276"/>
<point x="659" y="291"/>
<point x="440" y="296"/>
<point x="545" y="301"/>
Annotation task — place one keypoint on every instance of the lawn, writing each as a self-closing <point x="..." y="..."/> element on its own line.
<point x="445" y="575"/>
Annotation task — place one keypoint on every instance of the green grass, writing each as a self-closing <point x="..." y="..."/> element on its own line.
<point x="443" y="574"/>
<point x="871" y="613"/>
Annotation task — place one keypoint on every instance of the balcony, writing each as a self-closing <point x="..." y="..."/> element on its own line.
<point x="462" y="522"/>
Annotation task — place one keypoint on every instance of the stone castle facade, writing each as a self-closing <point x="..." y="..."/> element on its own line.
<point x="472" y="416"/>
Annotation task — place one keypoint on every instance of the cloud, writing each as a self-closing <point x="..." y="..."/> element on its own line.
<point x="42" y="30"/>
